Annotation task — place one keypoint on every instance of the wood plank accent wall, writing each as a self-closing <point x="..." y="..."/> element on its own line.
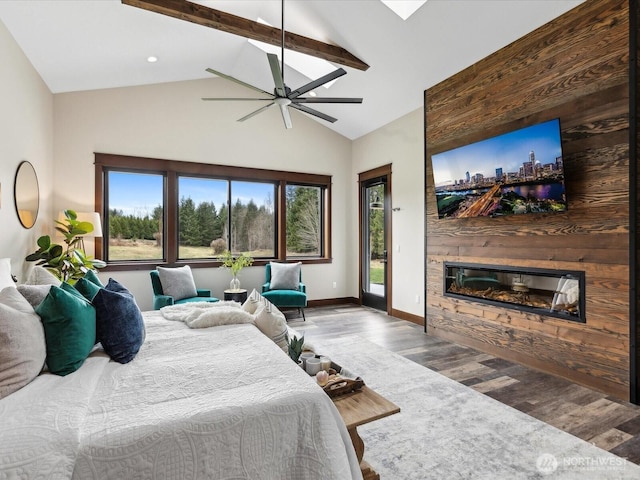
<point x="634" y="197"/>
<point x="575" y="68"/>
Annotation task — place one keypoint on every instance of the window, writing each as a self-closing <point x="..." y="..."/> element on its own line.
<point x="252" y="219"/>
<point x="304" y="221"/>
<point x="202" y="217"/>
<point x="163" y="211"/>
<point x="135" y="216"/>
<point x="204" y="211"/>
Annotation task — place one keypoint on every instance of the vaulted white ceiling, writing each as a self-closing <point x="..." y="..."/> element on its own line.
<point x="93" y="44"/>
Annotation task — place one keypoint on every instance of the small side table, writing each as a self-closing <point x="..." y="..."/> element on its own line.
<point x="236" y="295"/>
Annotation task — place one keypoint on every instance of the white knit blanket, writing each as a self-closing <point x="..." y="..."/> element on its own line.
<point x="206" y="314"/>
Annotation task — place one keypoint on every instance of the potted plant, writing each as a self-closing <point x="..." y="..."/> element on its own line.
<point x="295" y="345"/>
<point x="235" y="264"/>
<point x="67" y="262"/>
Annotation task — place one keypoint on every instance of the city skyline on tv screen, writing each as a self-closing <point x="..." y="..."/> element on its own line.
<point x="518" y="172"/>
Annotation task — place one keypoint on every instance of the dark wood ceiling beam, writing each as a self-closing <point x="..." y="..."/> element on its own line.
<point x="208" y="17"/>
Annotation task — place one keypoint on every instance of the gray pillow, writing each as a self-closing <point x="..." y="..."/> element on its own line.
<point x="41" y="276"/>
<point x="285" y="276"/>
<point x="22" y="344"/>
<point x="34" y="294"/>
<point x="177" y="282"/>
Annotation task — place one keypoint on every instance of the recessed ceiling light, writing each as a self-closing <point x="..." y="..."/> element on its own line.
<point x="312" y="94"/>
<point x="404" y="8"/>
<point x="310" y="67"/>
<point x="152" y="59"/>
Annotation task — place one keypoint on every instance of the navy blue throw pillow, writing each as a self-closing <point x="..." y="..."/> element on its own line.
<point x="119" y="324"/>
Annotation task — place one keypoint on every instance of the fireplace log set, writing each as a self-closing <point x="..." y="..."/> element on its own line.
<point x="528" y="299"/>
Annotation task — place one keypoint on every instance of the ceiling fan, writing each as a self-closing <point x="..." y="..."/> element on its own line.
<point x="283" y="96"/>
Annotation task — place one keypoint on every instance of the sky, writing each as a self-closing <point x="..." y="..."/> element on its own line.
<point x="508" y="151"/>
<point x="138" y="194"/>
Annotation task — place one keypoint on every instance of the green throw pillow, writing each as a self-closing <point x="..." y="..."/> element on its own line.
<point x="69" y="322"/>
<point x="87" y="288"/>
<point x="72" y="289"/>
<point x="67" y="287"/>
<point x="93" y="278"/>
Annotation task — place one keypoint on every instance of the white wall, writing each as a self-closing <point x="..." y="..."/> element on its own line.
<point x="26" y="123"/>
<point x="401" y="144"/>
<point x="170" y="121"/>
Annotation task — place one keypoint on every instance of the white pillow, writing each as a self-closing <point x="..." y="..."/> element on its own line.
<point x="22" y="343"/>
<point x="5" y="274"/>
<point x="272" y="323"/>
<point x="177" y="282"/>
<point x="285" y="276"/>
<point x="252" y="302"/>
<point x="41" y="276"/>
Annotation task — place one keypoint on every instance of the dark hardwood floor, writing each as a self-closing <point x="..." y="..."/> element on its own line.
<point x="607" y="422"/>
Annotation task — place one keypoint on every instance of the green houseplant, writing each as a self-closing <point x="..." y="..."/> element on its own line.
<point x="67" y="262"/>
<point x="295" y="346"/>
<point x="235" y="264"/>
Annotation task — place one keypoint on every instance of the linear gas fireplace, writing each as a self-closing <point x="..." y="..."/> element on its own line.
<point x="556" y="293"/>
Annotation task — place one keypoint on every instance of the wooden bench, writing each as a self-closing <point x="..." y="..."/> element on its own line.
<point x="358" y="408"/>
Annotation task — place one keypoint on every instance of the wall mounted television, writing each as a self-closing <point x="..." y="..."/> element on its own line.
<point x="518" y="172"/>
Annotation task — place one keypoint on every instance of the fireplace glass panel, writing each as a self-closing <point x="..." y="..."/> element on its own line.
<point x="556" y="293"/>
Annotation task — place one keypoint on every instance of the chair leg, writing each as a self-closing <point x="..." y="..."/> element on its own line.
<point x="302" y="312"/>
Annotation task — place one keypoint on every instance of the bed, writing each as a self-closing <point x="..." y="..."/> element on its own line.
<point x="217" y="403"/>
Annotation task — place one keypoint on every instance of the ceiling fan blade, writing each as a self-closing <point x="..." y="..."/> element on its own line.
<point x="325" y="100"/>
<point x="252" y="114"/>
<point x="281" y="91"/>
<point x="238" y="99"/>
<point x="316" y="83"/>
<point x="286" y="116"/>
<point x="313" y="112"/>
<point x="220" y="74"/>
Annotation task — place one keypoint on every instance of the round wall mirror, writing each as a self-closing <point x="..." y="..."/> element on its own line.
<point x="26" y="194"/>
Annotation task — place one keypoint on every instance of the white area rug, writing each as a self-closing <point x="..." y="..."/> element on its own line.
<point x="446" y="431"/>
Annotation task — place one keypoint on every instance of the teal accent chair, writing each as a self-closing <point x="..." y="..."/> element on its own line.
<point x="285" y="298"/>
<point x="161" y="300"/>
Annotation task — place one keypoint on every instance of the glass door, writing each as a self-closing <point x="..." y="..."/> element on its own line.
<point x="375" y="208"/>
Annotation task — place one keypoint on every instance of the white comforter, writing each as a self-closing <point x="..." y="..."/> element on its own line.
<point x="215" y="403"/>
